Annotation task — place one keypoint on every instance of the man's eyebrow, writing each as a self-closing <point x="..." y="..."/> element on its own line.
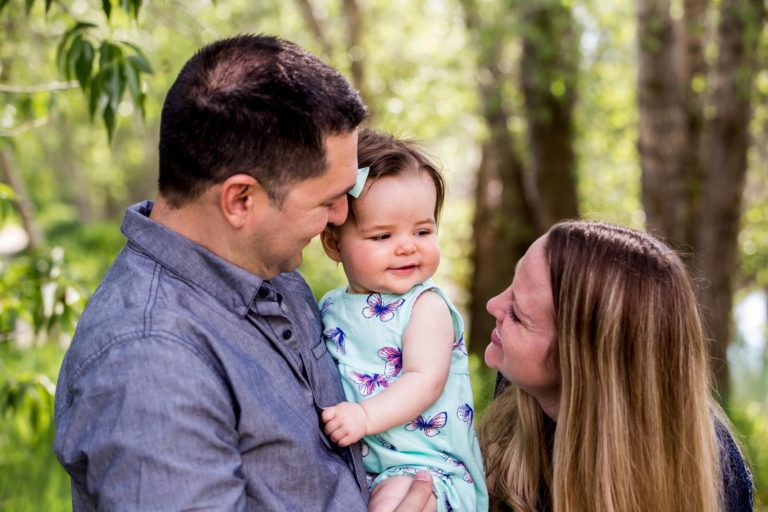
<point x="338" y="196"/>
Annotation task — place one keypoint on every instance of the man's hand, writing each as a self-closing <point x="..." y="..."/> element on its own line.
<point x="345" y="423"/>
<point x="418" y="497"/>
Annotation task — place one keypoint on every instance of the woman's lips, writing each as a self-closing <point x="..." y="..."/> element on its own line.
<point x="495" y="338"/>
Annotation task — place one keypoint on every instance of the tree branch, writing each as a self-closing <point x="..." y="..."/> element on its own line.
<point x="313" y="22"/>
<point x="22" y="128"/>
<point x="32" y="89"/>
<point x="23" y="201"/>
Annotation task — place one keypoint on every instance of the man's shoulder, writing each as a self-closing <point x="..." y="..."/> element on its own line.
<point x="137" y="299"/>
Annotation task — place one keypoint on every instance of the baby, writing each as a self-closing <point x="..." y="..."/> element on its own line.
<point x="396" y="338"/>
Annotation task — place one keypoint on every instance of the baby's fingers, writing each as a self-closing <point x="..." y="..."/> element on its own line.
<point x="345" y="441"/>
<point x="328" y="414"/>
<point x="332" y="426"/>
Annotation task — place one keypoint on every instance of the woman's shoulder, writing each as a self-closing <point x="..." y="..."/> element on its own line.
<point x="737" y="479"/>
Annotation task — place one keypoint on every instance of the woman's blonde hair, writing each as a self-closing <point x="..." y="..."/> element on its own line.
<point x="635" y="428"/>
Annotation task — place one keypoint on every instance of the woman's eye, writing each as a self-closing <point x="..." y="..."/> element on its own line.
<point x="513" y="315"/>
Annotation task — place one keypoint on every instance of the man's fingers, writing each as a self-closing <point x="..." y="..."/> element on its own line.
<point x="418" y="495"/>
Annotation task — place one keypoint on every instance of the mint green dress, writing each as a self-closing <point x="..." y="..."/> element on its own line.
<point x="364" y="333"/>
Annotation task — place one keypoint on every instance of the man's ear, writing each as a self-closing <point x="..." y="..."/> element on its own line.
<point x="330" y="240"/>
<point x="241" y="196"/>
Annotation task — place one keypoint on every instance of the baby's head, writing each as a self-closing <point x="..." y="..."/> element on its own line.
<point x="388" y="243"/>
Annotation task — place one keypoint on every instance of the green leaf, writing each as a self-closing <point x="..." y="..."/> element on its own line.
<point x="114" y="84"/>
<point x="106" y="6"/>
<point x="84" y="64"/>
<point x="65" y="42"/>
<point x="95" y="96"/>
<point x="109" y="121"/>
<point x="80" y="26"/>
<point x="108" y="53"/>
<point x="133" y="78"/>
<point x="139" y="58"/>
<point x="131" y="7"/>
<point x="73" y="55"/>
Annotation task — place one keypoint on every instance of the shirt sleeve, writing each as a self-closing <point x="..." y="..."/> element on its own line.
<point x="737" y="479"/>
<point x="149" y="424"/>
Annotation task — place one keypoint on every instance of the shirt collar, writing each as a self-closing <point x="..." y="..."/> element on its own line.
<point x="233" y="286"/>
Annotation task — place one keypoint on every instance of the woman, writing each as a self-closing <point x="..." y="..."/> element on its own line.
<point x="610" y="407"/>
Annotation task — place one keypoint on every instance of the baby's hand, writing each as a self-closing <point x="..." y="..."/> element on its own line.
<point x="345" y="423"/>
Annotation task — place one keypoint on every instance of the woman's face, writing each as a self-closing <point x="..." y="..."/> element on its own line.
<point x="525" y="335"/>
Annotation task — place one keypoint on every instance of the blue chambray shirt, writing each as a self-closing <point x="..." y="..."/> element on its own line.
<point x="193" y="384"/>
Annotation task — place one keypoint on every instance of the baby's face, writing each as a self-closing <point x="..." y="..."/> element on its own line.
<point x="392" y="244"/>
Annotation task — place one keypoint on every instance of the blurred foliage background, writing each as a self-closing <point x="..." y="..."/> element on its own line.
<point x="536" y="112"/>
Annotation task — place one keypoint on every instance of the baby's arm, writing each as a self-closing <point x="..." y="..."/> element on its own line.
<point x="427" y="347"/>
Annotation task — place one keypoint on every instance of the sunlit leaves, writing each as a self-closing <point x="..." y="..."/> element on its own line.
<point x="104" y="69"/>
<point x="6" y="202"/>
<point x="37" y="292"/>
<point x="29" y="398"/>
<point x="131" y="7"/>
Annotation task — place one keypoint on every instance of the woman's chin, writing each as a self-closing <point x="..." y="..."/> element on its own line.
<point x="492" y="356"/>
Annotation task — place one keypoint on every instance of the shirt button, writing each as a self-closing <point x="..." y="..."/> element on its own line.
<point x="287" y="334"/>
<point x="263" y="291"/>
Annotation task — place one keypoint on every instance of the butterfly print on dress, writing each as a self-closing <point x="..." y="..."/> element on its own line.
<point x="393" y="358"/>
<point x="465" y="414"/>
<point x="466" y="476"/>
<point x="325" y="305"/>
<point x="377" y="308"/>
<point x="386" y="444"/>
<point x="430" y="426"/>
<point x="460" y="345"/>
<point x="367" y="383"/>
<point x="338" y="336"/>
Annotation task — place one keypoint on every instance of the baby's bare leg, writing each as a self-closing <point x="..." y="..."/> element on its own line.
<point x="386" y="496"/>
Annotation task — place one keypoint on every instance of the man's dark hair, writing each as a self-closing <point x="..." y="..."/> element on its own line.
<point x="256" y="105"/>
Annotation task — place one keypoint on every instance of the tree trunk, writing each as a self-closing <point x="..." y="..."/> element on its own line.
<point x="693" y="165"/>
<point x="315" y="26"/>
<point x="504" y="224"/>
<point x="548" y="75"/>
<point x="355" y="52"/>
<point x="724" y="155"/>
<point x="663" y="126"/>
<point x="355" y="48"/>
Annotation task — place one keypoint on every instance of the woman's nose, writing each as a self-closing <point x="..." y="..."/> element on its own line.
<point x="493" y="306"/>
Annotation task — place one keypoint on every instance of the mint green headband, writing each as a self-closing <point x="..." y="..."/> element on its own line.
<point x="362" y="175"/>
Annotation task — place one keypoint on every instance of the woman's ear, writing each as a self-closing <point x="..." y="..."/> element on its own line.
<point x="241" y="196"/>
<point x="330" y="240"/>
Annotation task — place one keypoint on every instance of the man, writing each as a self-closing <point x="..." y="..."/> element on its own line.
<point x="197" y="372"/>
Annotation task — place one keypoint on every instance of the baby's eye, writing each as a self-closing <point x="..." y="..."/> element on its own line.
<point x="382" y="236"/>
<point x="424" y="232"/>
